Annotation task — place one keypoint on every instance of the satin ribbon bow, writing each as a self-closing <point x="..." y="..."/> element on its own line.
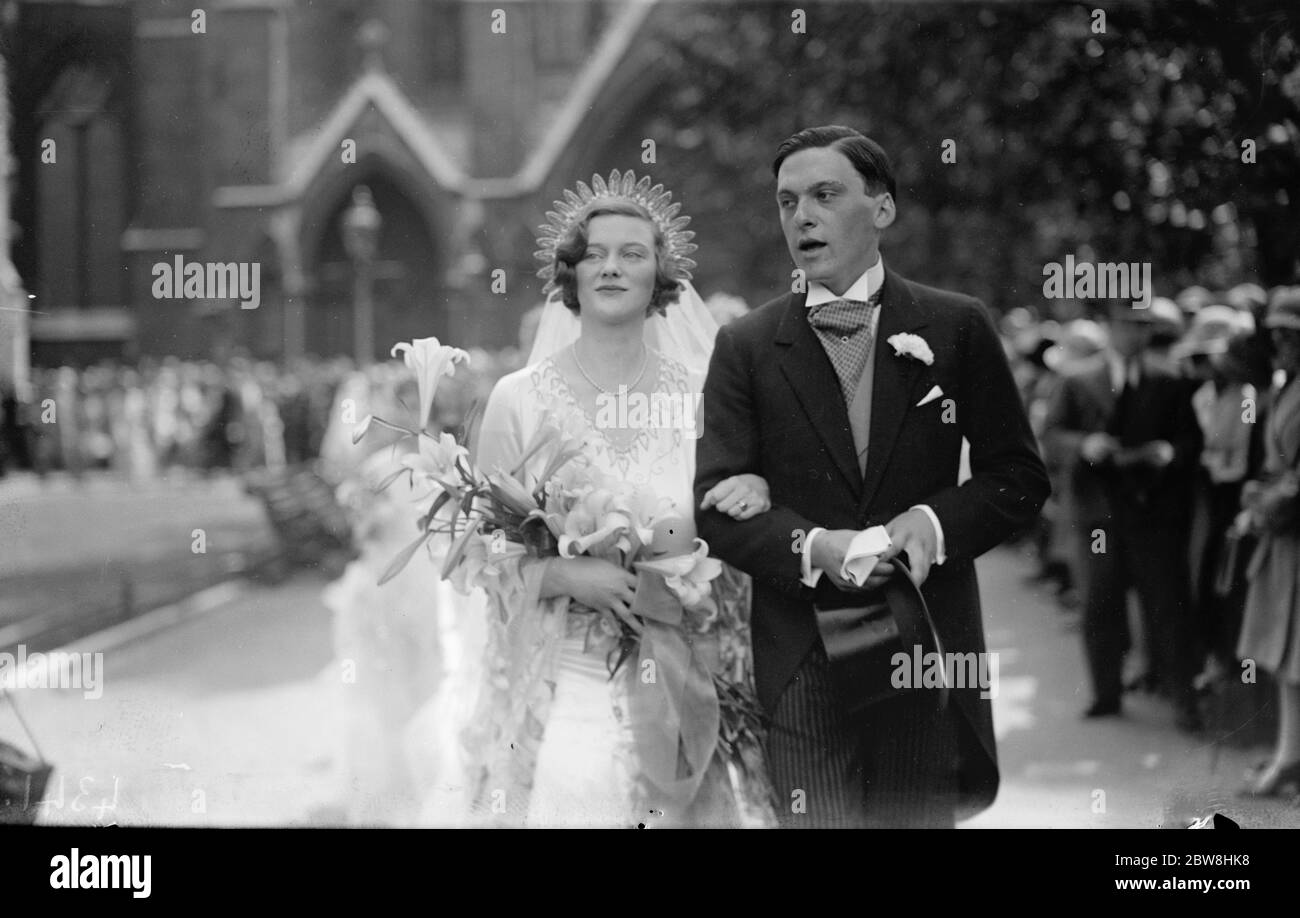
<point x="673" y="708"/>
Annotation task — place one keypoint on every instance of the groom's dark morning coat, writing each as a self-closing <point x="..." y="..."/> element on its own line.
<point x="774" y="407"/>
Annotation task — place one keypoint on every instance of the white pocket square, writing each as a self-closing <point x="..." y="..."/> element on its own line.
<point x="930" y="396"/>
<point x="863" y="553"/>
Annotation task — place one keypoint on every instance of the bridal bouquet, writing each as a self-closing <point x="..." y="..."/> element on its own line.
<point x="473" y="509"/>
<point x="687" y="642"/>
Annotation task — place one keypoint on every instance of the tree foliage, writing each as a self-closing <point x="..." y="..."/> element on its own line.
<point x="1117" y="145"/>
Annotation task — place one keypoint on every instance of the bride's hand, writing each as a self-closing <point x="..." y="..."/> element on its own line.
<point x="741" y="497"/>
<point x="597" y="584"/>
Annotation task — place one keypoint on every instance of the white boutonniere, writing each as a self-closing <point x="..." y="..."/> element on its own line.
<point x="914" y="346"/>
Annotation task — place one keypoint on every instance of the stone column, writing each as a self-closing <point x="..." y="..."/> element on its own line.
<point x="15" y="351"/>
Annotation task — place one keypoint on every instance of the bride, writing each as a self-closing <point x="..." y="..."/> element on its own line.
<point x="553" y="739"/>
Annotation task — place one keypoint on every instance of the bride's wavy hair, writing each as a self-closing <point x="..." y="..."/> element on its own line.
<point x="573" y="247"/>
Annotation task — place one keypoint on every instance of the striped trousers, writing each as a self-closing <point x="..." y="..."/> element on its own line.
<point x="894" y="766"/>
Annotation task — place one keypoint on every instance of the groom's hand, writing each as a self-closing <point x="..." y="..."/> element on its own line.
<point x="741" y="497"/>
<point x="913" y="533"/>
<point x="828" y="551"/>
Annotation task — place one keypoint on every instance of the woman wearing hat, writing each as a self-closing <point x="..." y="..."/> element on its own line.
<point x="1270" y="634"/>
<point x="1218" y="352"/>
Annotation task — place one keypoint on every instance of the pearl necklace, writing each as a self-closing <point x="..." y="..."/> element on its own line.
<point x="645" y="361"/>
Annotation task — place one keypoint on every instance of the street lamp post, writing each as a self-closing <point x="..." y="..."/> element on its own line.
<point x="468" y="264"/>
<point x="361" y="223"/>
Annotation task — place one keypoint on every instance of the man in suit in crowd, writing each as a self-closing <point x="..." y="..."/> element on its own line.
<point x="1127" y="429"/>
<point x="852" y="396"/>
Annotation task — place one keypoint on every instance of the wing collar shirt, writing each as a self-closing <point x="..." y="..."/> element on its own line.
<point x="862" y="290"/>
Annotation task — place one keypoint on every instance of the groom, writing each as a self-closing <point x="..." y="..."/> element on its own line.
<point x="809" y="392"/>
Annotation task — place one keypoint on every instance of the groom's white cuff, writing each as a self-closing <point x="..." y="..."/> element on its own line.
<point x="813" y="574"/>
<point x="810" y="574"/>
<point x="940" y="555"/>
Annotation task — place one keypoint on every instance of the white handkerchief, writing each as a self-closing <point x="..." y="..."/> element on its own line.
<point x="930" y="396"/>
<point x="864" y="551"/>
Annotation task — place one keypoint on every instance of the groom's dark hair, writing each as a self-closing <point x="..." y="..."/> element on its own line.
<point x="867" y="156"/>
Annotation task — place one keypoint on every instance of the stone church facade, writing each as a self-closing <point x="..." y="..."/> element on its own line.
<point x="238" y="132"/>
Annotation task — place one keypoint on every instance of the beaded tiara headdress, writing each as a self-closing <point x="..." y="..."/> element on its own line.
<point x="621" y="187"/>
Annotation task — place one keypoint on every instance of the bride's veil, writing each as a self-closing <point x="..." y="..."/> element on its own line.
<point x="685" y="333"/>
<point x="442" y="774"/>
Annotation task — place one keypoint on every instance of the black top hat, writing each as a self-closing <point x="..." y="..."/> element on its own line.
<point x="862" y="643"/>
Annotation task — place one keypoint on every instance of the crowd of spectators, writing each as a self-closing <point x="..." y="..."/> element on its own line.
<point x="149" y="419"/>
<point x="1171" y="434"/>
<point x="160" y="416"/>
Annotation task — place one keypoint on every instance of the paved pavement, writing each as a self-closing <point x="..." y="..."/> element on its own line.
<point x="222" y="719"/>
<point x="100" y="549"/>
<point x="1058" y="771"/>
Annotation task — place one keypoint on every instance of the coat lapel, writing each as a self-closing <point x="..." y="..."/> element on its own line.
<point x="893" y="382"/>
<point x="810" y="374"/>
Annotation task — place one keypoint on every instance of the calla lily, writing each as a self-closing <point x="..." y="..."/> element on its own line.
<point x="596" y="521"/>
<point x="688" y="577"/>
<point x="431" y="361"/>
<point x="612" y="529"/>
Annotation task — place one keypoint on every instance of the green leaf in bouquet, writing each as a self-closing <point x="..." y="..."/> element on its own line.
<point x="463" y="508"/>
<point x="458" y="509"/>
<point x="403" y="558"/>
<point x="439" y="502"/>
<point x="361" y="429"/>
<point x="545" y="434"/>
<point x="457" y="551"/>
<point x="559" y="461"/>
<point x="469" y="427"/>
<point x="467" y="472"/>
<point x="447" y="486"/>
<point x="391" y="426"/>
<point x="391" y="477"/>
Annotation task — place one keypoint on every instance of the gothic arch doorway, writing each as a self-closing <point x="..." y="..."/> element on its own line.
<point x="407" y="273"/>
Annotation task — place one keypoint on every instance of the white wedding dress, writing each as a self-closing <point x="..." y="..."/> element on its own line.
<point x="582" y="775"/>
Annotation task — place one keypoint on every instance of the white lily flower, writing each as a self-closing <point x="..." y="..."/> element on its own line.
<point x="431" y="361"/>
<point x="508" y="490"/>
<point x="437" y="457"/>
